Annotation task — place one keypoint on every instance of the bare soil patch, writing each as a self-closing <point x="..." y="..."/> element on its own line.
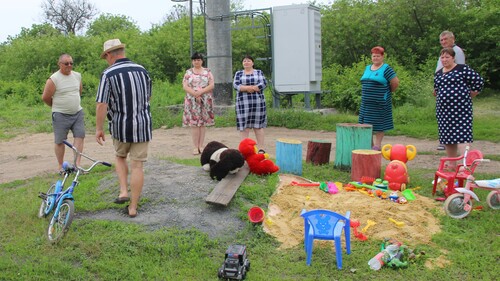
<point x="30" y="155"/>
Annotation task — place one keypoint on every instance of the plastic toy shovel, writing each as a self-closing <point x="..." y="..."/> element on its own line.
<point x="408" y="194"/>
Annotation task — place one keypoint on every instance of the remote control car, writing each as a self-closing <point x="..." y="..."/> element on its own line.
<point x="236" y="264"/>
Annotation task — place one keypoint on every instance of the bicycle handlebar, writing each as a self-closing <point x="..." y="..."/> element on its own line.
<point x="81" y="154"/>
<point x="67" y="143"/>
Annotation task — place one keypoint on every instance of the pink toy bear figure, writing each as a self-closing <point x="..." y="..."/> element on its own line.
<point x="399" y="152"/>
<point x="397" y="175"/>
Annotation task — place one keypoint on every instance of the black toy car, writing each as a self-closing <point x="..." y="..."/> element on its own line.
<point x="236" y="264"/>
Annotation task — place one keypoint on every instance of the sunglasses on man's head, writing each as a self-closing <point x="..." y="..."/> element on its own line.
<point x="67" y="63"/>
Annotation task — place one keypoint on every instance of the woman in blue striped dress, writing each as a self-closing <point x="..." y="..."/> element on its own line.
<point x="250" y="101"/>
<point x="378" y="83"/>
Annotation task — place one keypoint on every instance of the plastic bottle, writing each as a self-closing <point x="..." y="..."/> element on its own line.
<point x="377" y="261"/>
<point x="392" y="250"/>
<point x="383" y="257"/>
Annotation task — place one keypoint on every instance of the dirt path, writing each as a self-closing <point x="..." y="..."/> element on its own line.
<point x="31" y="155"/>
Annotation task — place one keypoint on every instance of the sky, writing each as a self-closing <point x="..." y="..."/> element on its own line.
<point x="16" y="14"/>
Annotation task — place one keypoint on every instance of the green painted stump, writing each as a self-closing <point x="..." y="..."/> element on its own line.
<point x="349" y="137"/>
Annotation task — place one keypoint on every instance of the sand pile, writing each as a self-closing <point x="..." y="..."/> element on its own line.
<point x="284" y="222"/>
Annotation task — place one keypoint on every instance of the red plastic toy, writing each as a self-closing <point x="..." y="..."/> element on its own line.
<point x="396" y="174"/>
<point x="354" y="225"/>
<point x="256" y="215"/>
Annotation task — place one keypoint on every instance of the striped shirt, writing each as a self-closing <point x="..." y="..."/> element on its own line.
<point x="126" y="87"/>
<point x="376" y="98"/>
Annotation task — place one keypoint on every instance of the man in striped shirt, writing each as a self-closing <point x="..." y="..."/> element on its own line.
<point x="123" y="95"/>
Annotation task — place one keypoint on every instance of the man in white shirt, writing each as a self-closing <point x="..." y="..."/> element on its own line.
<point x="62" y="93"/>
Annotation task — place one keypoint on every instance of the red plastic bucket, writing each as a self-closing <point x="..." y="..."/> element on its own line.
<point x="256" y="215"/>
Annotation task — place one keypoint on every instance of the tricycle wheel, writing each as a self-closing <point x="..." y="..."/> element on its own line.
<point x="454" y="206"/>
<point x="493" y="200"/>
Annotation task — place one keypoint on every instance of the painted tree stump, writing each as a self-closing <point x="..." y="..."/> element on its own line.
<point x="349" y="137"/>
<point x="366" y="163"/>
<point x="318" y="152"/>
<point x="289" y="156"/>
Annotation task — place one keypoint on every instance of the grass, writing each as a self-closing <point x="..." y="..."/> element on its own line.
<point x="110" y="250"/>
<point x="17" y="118"/>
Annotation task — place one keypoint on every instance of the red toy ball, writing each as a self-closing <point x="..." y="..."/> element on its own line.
<point x="256" y="215"/>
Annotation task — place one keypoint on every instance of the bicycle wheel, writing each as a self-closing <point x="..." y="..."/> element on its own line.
<point x="60" y="225"/>
<point x="47" y="202"/>
<point x="493" y="200"/>
<point x="454" y="206"/>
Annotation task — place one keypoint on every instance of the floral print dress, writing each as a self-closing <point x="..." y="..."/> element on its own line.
<point x="198" y="112"/>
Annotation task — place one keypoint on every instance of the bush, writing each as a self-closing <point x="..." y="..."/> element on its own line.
<point x="415" y="87"/>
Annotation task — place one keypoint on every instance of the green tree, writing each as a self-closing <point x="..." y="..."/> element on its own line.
<point x="36" y="30"/>
<point x="109" y="24"/>
<point x="165" y="50"/>
<point x="480" y="38"/>
<point x="177" y="12"/>
<point x="251" y="35"/>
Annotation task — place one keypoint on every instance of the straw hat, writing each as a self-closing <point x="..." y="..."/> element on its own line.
<point x="110" y="45"/>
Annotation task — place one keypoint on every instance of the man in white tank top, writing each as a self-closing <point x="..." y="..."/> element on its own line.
<point x="62" y="93"/>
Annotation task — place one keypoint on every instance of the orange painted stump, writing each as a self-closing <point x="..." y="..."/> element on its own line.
<point x="366" y="163"/>
<point x="318" y="152"/>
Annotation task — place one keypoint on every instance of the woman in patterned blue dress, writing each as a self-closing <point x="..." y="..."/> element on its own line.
<point x="378" y="83"/>
<point x="454" y="87"/>
<point x="250" y="101"/>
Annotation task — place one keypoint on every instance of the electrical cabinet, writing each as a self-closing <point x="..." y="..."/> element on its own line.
<point x="296" y="48"/>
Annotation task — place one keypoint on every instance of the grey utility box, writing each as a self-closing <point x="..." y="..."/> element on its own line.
<point x="297" y="48"/>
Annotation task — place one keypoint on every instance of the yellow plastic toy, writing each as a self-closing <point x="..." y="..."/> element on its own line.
<point x="399" y="152"/>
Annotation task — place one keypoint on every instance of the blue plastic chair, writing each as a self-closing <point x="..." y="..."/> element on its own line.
<point x="326" y="225"/>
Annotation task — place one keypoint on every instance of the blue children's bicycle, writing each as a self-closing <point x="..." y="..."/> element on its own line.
<point x="60" y="199"/>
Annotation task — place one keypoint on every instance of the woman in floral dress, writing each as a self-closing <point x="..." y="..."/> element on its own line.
<point x="198" y="83"/>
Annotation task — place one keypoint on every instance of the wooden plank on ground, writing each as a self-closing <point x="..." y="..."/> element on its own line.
<point x="224" y="191"/>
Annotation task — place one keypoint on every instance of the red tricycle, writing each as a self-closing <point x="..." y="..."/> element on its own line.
<point x="459" y="205"/>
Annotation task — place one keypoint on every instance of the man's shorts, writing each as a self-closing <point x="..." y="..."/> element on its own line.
<point x="62" y="123"/>
<point x="138" y="151"/>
